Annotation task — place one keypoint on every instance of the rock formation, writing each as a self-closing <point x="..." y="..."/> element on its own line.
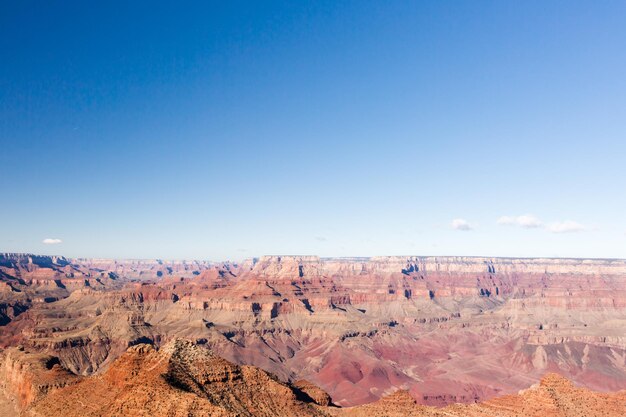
<point x="444" y="329"/>
<point x="186" y="379"/>
<point x="180" y="379"/>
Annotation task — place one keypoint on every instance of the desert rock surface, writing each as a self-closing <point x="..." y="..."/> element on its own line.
<point x="439" y="330"/>
<point x="185" y="379"/>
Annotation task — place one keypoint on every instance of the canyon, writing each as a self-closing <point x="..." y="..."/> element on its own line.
<point x="182" y="378"/>
<point x="327" y="336"/>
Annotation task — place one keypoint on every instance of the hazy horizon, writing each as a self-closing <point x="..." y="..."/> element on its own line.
<point x="348" y="257"/>
<point x="225" y="131"/>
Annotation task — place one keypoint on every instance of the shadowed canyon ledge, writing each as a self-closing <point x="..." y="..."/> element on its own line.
<point x="185" y="379"/>
<point x="429" y="330"/>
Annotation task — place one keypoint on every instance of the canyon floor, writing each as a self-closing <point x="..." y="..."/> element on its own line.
<point x="371" y="336"/>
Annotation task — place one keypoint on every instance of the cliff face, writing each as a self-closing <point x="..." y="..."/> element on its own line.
<point x="187" y="379"/>
<point x="181" y="379"/>
<point x="313" y="265"/>
<point x="553" y="396"/>
<point x="446" y="329"/>
<point x="26" y="377"/>
<point x="26" y="278"/>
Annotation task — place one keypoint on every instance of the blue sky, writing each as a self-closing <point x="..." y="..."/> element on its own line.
<point x="226" y="130"/>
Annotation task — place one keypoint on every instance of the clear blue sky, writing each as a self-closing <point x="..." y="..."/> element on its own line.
<point x="225" y="130"/>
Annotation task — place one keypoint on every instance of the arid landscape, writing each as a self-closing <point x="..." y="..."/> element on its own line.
<point x="313" y="336"/>
<point x="351" y="208"/>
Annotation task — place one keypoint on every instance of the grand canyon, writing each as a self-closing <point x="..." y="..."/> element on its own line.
<point x="313" y="209"/>
<point x="309" y="336"/>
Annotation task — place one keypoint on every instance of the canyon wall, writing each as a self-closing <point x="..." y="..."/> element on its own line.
<point x="186" y="379"/>
<point x="445" y="329"/>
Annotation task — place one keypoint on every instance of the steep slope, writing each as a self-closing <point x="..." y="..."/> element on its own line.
<point x="554" y="396"/>
<point x="447" y="329"/>
<point x="181" y="379"/>
<point x="186" y="379"/>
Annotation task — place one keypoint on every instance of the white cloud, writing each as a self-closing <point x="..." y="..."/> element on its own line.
<point x="527" y="221"/>
<point x="461" y="224"/>
<point x="321" y="238"/>
<point x="506" y="220"/>
<point x="566" y="226"/>
<point x="51" y="241"/>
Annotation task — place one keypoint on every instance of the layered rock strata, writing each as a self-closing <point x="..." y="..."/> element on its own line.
<point x="445" y="329"/>
<point x="186" y="379"/>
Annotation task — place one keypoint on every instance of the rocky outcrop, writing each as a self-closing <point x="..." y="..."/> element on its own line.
<point x="312" y="392"/>
<point x="180" y="379"/>
<point x="554" y="396"/>
<point x="186" y="379"/>
<point x="445" y="329"/>
<point x="291" y="266"/>
<point x="26" y="377"/>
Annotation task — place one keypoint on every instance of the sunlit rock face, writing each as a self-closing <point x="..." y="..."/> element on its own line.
<point x="444" y="329"/>
<point x="183" y="378"/>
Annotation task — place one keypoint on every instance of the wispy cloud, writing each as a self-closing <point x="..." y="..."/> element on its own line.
<point x="506" y="220"/>
<point x="321" y="238"/>
<point x="567" y="226"/>
<point x="461" y="224"/>
<point x="51" y="241"/>
<point x="527" y="221"/>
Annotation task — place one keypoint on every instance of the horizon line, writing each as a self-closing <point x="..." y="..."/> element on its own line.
<point x="82" y="258"/>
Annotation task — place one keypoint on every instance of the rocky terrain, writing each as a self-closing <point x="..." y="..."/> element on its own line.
<point x="433" y="330"/>
<point x="186" y="379"/>
<point x="27" y="279"/>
